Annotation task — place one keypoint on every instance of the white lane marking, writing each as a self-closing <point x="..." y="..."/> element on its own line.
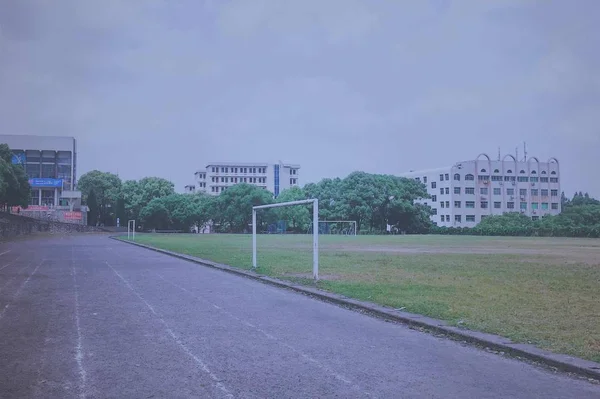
<point x="79" y="346"/>
<point x="183" y="347"/>
<point x="266" y="334"/>
<point x="5" y="252"/>
<point x="11" y="263"/>
<point x="16" y="295"/>
<point x="15" y="276"/>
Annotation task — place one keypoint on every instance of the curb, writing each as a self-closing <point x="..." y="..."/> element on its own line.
<point x="496" y="343"/>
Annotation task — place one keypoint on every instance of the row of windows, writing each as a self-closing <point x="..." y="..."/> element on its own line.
<point x="293" y="171"/>
<point x="224" y="179"/>
<point x="535" y="192"/>
<point x="498" y="205"/>
<point x="235" y="169"/>
<point x="293" y="181"/>
<point x="470" y="177"/>
<point x="522" y="172"/>
<point x="220" y="189"/>
<point x="201" y="175"/>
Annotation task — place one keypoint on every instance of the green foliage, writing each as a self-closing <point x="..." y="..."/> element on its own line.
<point x="92" y="203"/>
<point x="138" y="194"/>
<point x="14" y="185"/>
<point x="231" y="211"/>
<point x="298" y="217"/>
<point x="107" y="188"/>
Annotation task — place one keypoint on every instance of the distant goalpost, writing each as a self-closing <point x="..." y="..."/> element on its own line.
<point x="131" y="229"/>
<point x="315" y="204"/>
<point x="335" y="227"/>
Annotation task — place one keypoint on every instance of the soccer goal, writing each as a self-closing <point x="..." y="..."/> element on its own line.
<point x="131" y="229"/>
<point x="315" y="204"/>
<point x="339" y="227"/>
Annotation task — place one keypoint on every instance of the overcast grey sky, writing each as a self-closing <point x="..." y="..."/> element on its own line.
<point x="160" y="88"/>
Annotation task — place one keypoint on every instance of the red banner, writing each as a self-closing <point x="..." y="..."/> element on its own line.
<point x="72" y="215"/>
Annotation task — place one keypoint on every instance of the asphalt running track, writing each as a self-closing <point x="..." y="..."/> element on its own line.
<point x="86" y="316"/>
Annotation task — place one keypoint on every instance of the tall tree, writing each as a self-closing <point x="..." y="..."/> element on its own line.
<point x="14" y="185"/>
<point x="138" y="194"/>
<point x="297" y="217"/>
<point x="232" y="209"/>
<point x="92" y="203"/>
<point x="107" y="187"/>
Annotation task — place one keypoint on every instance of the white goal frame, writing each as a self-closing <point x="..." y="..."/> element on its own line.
<point x="131" y="229"/>
<point x="315" y="204"/>
<point x="341" y="221"/>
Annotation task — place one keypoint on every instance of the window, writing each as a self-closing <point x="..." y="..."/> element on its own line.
<point x="554" y="193"/>
<point x="553" y="172"/>
<point x="510" y="191"/>
<point x="522" y="172"/>
<point x="535" y="205"/>
<point x="456" y="177"/>
<point x="544" y="206"/>
<point x="441" y="177"/>
<point x="457" y="218"/>
<point x="523" y="179"/>
<point x="447" y="218"/>
<point x="484" y="204"/>
<point x="34" y="199"/>
<point x="442" y="204"/>
<point x="497" y="205"/>
<point x="48" y="171"/>
<point x="483" y="191"/>
<point x="510" y="205"/>
<point x="555" y="205"/>
<point x="469" y="190"/>
<point x="470" y="204"/>
<point x="534" y="179"/>
<point x="509" y="178"/>
<point x="483" y="177"/>
<point x="434" y="211"/>
<point x="447" y="176"/>
<point x="222" y="180"/>
<point x="425" y="179"/>
<point x="544" y="172"/>
<point x="523" y="192"/>
<point x="447" y="190"/>
<point x="434" y="198"/>
<point x="212" y="188"/>
<point x="418" y="179"/>
<point x="533" y="172"/>
<point x="554" y="180"/>
<point x="441" y="190"/>
<point x="469" y="177"/>
<point x="447" y="204"/>
<point x="457" y="204"/>
<point x="544" y="179"/>
<point x="483" y="171"/>
<point x="523" y="205"/>
<point x="456" y="190"/>
<point x="470" y="218"/>
<point x="534" y="192"/>
<point x="433" y="184"/>
<point x="534" y="218"/>
<point x="222" y="169"/>
<point x="544" y="192"/>
<point x="496" y="178"/>
<point x="497" y="191"/>
<point x="496" y="171"/>
<point x="509" y="171"/>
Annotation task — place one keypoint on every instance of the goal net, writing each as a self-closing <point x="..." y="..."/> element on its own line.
<point x="339" y="227"/>
<point x="282" y="221"/>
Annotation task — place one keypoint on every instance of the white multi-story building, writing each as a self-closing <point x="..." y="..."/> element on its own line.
<point x="463" y="194"/>
<point x="218" y="176"/>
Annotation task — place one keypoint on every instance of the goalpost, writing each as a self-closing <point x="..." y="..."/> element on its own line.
<point x="315" y="204"/>
<point x="131" y="229"/>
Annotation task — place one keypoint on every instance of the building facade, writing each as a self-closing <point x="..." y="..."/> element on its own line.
<point x="50" y="162"/>
<point x="218" y="176"/>
<point x="468" y="191"/>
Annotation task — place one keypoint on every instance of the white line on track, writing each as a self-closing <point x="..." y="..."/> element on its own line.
<point x="306" y="357"/>
<point x="11" y="263"/>
<point x="5" y="252"/>
<point x="16" y="295"/>
<point x="79" y="347"/>
<point x="183" y="347"/>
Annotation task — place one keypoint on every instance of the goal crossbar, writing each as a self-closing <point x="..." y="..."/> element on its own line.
<point x="315" y="204"/>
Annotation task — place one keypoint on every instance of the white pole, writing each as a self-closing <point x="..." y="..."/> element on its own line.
<point x="134" y="230"/>
<point x="254" y="238"/>
<point x="316" y="239"/>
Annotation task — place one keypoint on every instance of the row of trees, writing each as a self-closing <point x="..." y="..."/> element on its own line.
<point x="373" y="201"/>
<point x="14" y="184"/>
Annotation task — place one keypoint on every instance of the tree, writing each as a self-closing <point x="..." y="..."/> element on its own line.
<point x="92" y="203"/>
<point x="107" y="187"/>
<point x="14" y="184"/>
<point x="232" y="209"/>
<point x="138" y="194"/>
<point x="298" y="217"/>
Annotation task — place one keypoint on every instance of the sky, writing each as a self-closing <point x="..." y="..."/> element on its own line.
<point x="163" y="87"/>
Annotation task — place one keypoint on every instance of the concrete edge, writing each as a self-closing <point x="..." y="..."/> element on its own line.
<point x="489" y="341"/>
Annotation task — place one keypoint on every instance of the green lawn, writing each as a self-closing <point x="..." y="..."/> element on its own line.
<point x="540" y="290"/>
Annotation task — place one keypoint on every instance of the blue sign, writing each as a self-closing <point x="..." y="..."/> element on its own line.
<point x="46" y="183"/>
<point x="18" y="158"/>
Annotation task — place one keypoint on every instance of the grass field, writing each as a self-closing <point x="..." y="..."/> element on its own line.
<point x="545" y="291"/>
